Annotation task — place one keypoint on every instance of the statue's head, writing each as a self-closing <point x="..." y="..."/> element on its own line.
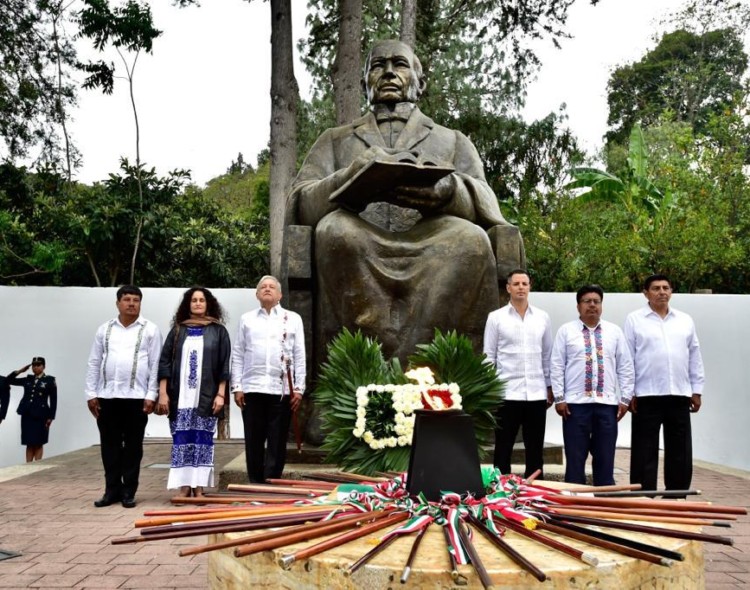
<point x="392" y="73"/>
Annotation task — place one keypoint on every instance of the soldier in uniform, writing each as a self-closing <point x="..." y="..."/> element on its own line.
<point x="37" y="407"/>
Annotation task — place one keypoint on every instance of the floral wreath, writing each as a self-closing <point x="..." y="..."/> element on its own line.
<point x="385" y="413"/>
<point x="367" y="404"/>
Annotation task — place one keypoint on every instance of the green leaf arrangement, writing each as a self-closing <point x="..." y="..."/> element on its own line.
<point x="452" y="360"/>
<point x="355" y="360"/>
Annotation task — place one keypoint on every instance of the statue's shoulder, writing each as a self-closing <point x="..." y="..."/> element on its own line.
<point x="346" y="130"/>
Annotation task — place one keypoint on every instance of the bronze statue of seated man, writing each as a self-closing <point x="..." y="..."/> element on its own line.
<point x="400" y="208"/>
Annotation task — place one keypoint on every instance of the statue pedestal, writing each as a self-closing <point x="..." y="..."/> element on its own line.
<point x="431" y="568"/>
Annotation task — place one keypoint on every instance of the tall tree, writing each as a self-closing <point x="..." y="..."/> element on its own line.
<point x="346" y="71"/>
<point x="129" y="28"/>
<point x="36" y="55"/>
<point x="691" y="75"/>
<point x="283" y="144"/>
<point x="408" y="30"/>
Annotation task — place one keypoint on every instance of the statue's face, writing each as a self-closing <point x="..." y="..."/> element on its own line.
<point x="390" y="76"/>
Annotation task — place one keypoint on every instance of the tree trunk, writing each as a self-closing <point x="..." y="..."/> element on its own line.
<point x="408" y="31"/>
<point x="346" y="72"/>
<point x="284" y="100"/>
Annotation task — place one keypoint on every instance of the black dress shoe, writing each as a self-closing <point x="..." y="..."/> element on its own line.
<point x="105" y="500"/>
<point x="128" y="502"/>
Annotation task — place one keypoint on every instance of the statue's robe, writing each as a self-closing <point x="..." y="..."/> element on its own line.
<point x="389" y="271"/>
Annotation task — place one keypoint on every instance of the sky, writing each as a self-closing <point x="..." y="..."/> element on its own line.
<point x="203" y="95"/>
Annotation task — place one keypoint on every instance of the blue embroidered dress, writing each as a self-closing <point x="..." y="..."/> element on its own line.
<point x="192" y="435"/>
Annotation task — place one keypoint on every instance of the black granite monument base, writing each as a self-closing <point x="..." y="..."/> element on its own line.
<point x="444" y="455"/>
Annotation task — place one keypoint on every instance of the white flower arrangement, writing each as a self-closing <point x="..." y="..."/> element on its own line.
<point x="403" y="399"/>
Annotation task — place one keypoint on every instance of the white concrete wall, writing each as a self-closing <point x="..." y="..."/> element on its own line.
<point x="721" y="430"/>
<point x="59" y="324"/>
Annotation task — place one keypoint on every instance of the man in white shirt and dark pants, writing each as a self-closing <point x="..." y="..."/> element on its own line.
<point x="518" y="342"/>
<point x="270" y="342"/>
<point x="590" y="360"/>
<point x="121" y="388"/>
<point x="669" y="382"/>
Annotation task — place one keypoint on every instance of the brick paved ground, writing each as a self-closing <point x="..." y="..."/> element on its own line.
<point x="48" y="516"/>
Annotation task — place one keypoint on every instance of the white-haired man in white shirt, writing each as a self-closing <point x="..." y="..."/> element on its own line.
<point x="270" y="344"/>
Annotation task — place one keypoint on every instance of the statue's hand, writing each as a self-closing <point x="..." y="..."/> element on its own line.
<point x="372" y="153"/>
<point x="426" y="199"/>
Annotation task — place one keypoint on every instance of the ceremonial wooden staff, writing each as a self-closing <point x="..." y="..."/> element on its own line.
<point x="305" y="533"/>
<point x="668" y="553"/>
<point x="533" y="476"/>
<point x="304" y="483"/>
<point x="586" y="558"/>
<point x="452" y="558"/>
<point x="582" y="489"/>
<point x="369" y="555"/>
<point x="650" y="530"/>
<point x="200" y="510"/>
<point x="413" y="553"/>
<point x="650" y="512"/>
<point x="606" y="514"/>
<point x="251" y="522"/>
<point x="507" y="549"/>
<point x="245" y="499"/>
<point x="309" y="531"/>
<point x="307" y="552"/>
<point x="195" y="529"/>
<point x="310" y="490"/>
<point x="651" y="493"/>
<point x="646" y="503"/>
<point x="604" y="544"/>
<point x="295" y="420"/>
<point x="476" y="561"/>
<point x="228" y="514"/>
<point x="346" y="477"/>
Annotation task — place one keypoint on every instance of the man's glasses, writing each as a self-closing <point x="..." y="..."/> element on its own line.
<point x="589" y="301"/>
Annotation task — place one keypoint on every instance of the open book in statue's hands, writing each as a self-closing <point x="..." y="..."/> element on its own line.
<point x="379" y="178"/>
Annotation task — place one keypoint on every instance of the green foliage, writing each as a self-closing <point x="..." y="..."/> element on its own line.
<point x="635" y="191"/>
<point x="242" y="190"/>
<point x="33" y="100"/>
<point x="452" y="360"/>
<point x="692" y="75"/>
<point x="520" y="157"/>
<point x="355" y="360"/>
<point x="312" y="119"/>
<point x="55" y="233"/>
<point x="129" y="27"/>
<point x="694" y="228"/>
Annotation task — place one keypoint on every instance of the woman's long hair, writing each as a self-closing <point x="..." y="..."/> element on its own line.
<point x="213" y="307"/>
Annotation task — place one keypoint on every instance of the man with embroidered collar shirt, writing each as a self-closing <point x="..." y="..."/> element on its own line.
<point x="590" y="361"/>
<point x="122" y="389"/>
<point x="669" y="382"/>
<point x="270" y="342"/>
<point x="518" y="342"/>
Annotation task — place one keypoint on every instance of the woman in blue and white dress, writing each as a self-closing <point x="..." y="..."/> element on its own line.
<point x="193" y="376"/>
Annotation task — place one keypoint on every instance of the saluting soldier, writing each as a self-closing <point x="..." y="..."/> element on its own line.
<point x="37" y="407"/>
